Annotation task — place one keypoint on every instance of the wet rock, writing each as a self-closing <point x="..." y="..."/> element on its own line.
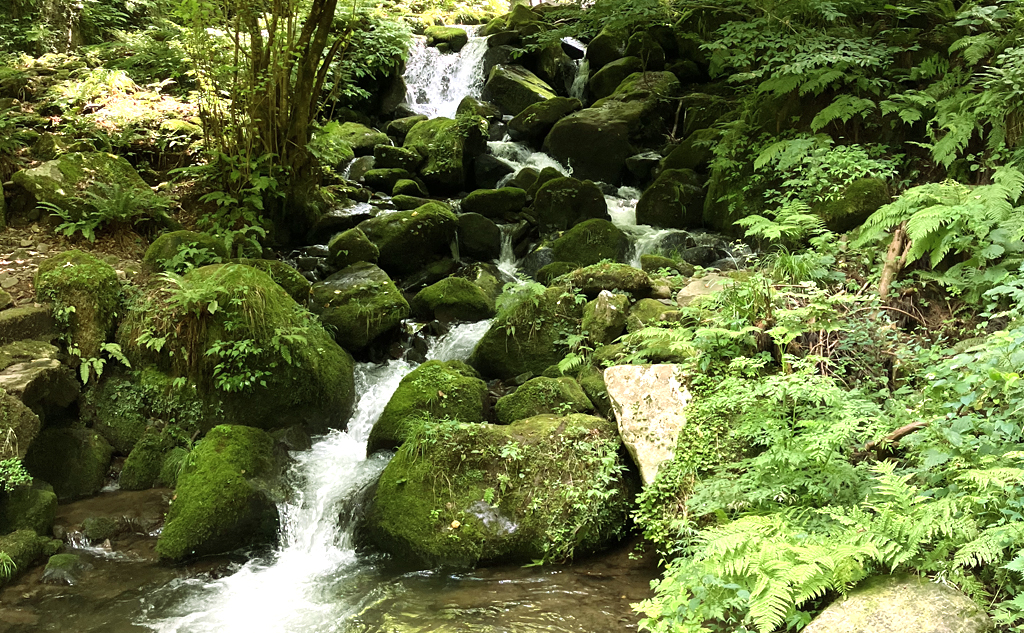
<point x="604" y="318"/>
<point x="390" y="157"/>
<point x="30" y="507"/>
<point x="434" y="390"/>
<point x="902" y="604"/>
<point x="448" y="148"/>
<point x="649" y="403"/>
<point x="73" y="461"/>
<point x="455" y="38"/>
<point x="512" y="88"/>
<point x="674" y="201"/>
<point x="605" y="81"/>
<point x="495" y="203"/>
<point x="18" y="426"/>
<point x="226" y="495"/>
<point x="359" y="167"/>
<point x="609" y="45"/>
<point x="564" y="202"/>
<point x="384" y="180"/>
<point x="362" y="139"/>
<point x="590" y="242"/>
<point x="499" y="54"/>
<point x="64" y="569"/>
<point x="398" y="128"/>
<point x="360" y="303"/>
<point x="408" y="240"/>
<point x="472" y="105"/>
<point x="595" y="278"/>
<point x="536" y="120"/>
<point x="489" y="170"/>
<point x="479" y="237"/>
<point x="349" y="247"/>
<point x="540" y="396"/>
<point x="453" y="299"/>
<point x="100" y="528"/>
<point x="338" y="220"/>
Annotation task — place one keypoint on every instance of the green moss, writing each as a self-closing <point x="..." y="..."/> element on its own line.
<point x="541" y="396"/>
<point x="114" y="407"/>
<point x="142" y="468"/>
<point x="590" y="242"/>
<point x="526" y="337"/>
<point x="675" y="201"/>
<point x="409" y="187"/>
<point x="384" y="180"/>
<point x="388" y="156"/>
<point x="29" y="507"/>
<point x="86" y="296"/>
<point x="284" y="275"/>
<point x="24" y="547"/>
<point x="18" y="426"/>
<point x="591" y="380"/>
<point x="563" y="203"/>
<point x="351" y="246"/>
<point x="171" y="467"/>
<point x="604" y="318"/>
<point x="61" y="181"/>
<point x="435" y="389"/>
<point x="494" y="203"/>
<point x="648" y="312"/>
<point x="654" y="263"/>
<point x="179" y="250"/>
<point x="549" y="274"/>
<point x="98" y="529"/>
<point x="446" y="146"/>
<point x="360" y="303"/>
<point x="454" y="37"/>
<point x="73" y="461"/>
<point x="407" y="240"/>
<point x="591" y="280"/>
<point x="362" y="139"/>
<point x="221" y="500"/>
<point x="858" y="201"/>
<point x="63" y="569"/>
<point x="542" y="488"/>
<point x="453" y="299"/>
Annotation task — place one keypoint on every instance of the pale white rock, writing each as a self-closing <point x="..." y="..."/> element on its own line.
<point x="701" y="287"/>
<point x="648" y="401"/>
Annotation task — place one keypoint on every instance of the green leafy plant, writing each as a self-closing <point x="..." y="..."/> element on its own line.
<point x="103" y="206"/>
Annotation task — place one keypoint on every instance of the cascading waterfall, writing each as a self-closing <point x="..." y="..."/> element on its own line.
<point x="436" y="82"/>
<point x="303" y="585"/>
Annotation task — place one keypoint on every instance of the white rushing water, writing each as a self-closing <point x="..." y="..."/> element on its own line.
<point x="298" y="587"/>
<point x="436" y="82"/>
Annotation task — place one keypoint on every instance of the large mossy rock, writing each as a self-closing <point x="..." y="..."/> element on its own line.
<point x="349" y="247"/>
<point x="455" y="38"/>
<point x="604" y="82"/>
<point x="495" y="203"/>
<point x="674" y="201"/>
<point x="564" y="202"/>
<point x="595" y="142"/>
<point x="360" y="303"/>
<point x="540" y="396"/>
<point x="525" y="337"/>
<point x="604" y="318"/>
<point x="73" y="461"/>
<point x="590" y="242"/>
<point x="409" y="240"/>
<point x="115" y="408"/>
<point x="854" y="205"/>
<point x="30" y="507"/>
<point x="453" y="299"/>
<point x="25" y="547"/>
<point x="613" y="277"/>
<point x="176" y="250"/>
<point x="285" y="275"/>
<point x="609" y="45"/>
<point x="225" y="497"/>
<point x="543" y="488"/>
<point x="448" y="147"/>
<point x="18" y="426"/>
<point x="513" y="88"/>
<point x="535" y="121"/>
<point x="85" y="290"/>
<point x="479" y="237"/>
<point x="362" y="139"/>
<point x="246" y="349"/>
<point x="902" y="604"/>
<point x="434" y="390"/>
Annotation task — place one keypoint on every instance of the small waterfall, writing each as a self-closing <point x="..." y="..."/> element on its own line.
<point x="520" y="156"/>
<point x="315" y="580"/>
<point x="507" y="259"/>
<point x="437" y="82"/>
<point x="579" y="82"/>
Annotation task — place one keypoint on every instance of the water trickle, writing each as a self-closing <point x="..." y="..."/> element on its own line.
<point x="507" y="258"/>
<point x="579" y="82"/>
<point x="436" y="82"/>
<point x="520" y="156"/>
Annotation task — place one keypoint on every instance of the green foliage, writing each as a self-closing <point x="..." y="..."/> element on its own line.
<point x="512" y="295"/>
<point x="12" y="475"/>
<point x="104" y="206"/>
<point x="7" y="566"/>
<point x="95" y="365"/>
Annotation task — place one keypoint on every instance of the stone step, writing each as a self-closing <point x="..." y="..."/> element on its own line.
<point x="27" y="322"/>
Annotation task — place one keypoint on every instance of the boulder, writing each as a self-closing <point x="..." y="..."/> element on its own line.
<point x="489" y="170"/>
<point x="595" y="278"/>
<point x="485" y="276"/>
<point x="694" y="152"/>
<point x="479" y="237"/>
<point x="408" y="240"/>
<point x="609" y="45"/>
<point x="64" y="569"/>
<point x="391" y="157"/>
<point x="27" y="322"/>
<point x="18" y="427"/>
<point x="604" y="318"/>
<point x="495" y="203"/>
<point x="555" y="67"/>
<point x="512" y="88"/>
<point x="115" y="407"/>
<point x="244" y="348"/>
<point x="649" y="402"/>
<point x="605" y="81"/>
<point x="539" y="396"/>
<point x="854" y="205"/>
<point x="474" y="106"/>
<point x="591" y="380"/>
<point x="701" y="111"/>
<point x="412" y="188"/>
<point x="399" y="128"/>
<point x="902" y="604"/>
<point x="525" y="338"/>
<point x="349" y="247"/>
<point x="434" y="390"/>
<point x="455" y="38"/>
<point x="25" y="547"/>
<point x="29" y="508"/>
<point x="674" y="201"/>
<point x="549" y="274"/>
<point x="704" y="286"/>
<point x="467" y="494"/>
<point x="87" y="296"/>
<point x="645" y="47"/>
<point x="362" y="139"/>
<point x="564" y="202"/>
<point x="646" y="312"/>
<point x="285" y="275"/>
<point x="226" y="495"/>
<point x="653" y="263"/>
<point x="360" y="303"/>
<point x="590" y="242"/>
<point x="453" y="299"/>
<point x="536" y="120"/>
<point x="384" y="180"/>
<point x="177" y="251"/>
<point x="448" y="147"/>
<point x="44" y="384"/>
<point x="142" y="468"/>
<point x="73" y="461"/>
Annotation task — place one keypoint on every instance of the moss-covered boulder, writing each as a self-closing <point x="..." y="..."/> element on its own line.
<point x="226" y="495"/>
<point x="609" y="45"/>
<point x="115" y="408"/>
<point x="391" y="157"/>
<point x="349" y="247"/>
<point x="590" y="242"/>
<point x="453" y="299"/>
<point x="141" y="470"/>
<point x="645" y="47"/>
<point x="694" y="152"/>
<point x="360" y="303"/>
<point x="448" y="147"/>
<point x="651" y="263"/>
<point x="409" y="187"/>
<point x="454" y="37"/>
<point x="86" y="295"/>
<point x="18" y="426"/>
<point x="285" y="275"/>
<point x="604" y="318"/>
<point x="401" y="126"/>
<point x="512" y="88"/>
<point x="549" y="274"/>
<point x="479" y="237"/>
<point x="384" y="180"/>
<point x="485" y="276"/>
<point x="856" y="203"/>
<point x="178" y="250"/>
<point x="174" y="461"/>
<point x="473" y="106"/>
<point x="25" y="547"/>
<point x="605" y="81"/>
<point x="593" y="279"/>
<point x="591" y="380"/>
<point x="244" y="348"/>
<point x="434" y="390"/>
<point x="536" y="120"/>
<point x="408" y="240"/>
<point x="540" y="396"/>
<point x="73" y="461"/>
<point x="362" y="139"/>
<point x="525" y="338"/>
<point x="544" y="488"/>
<point x="30" y="507"/>
<point x="64" y="569"/>
<point x="674" y="201"/>
<point x="495" y="203"/>
<point x="562" y="203"/>
<point x="648" y="312"/>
